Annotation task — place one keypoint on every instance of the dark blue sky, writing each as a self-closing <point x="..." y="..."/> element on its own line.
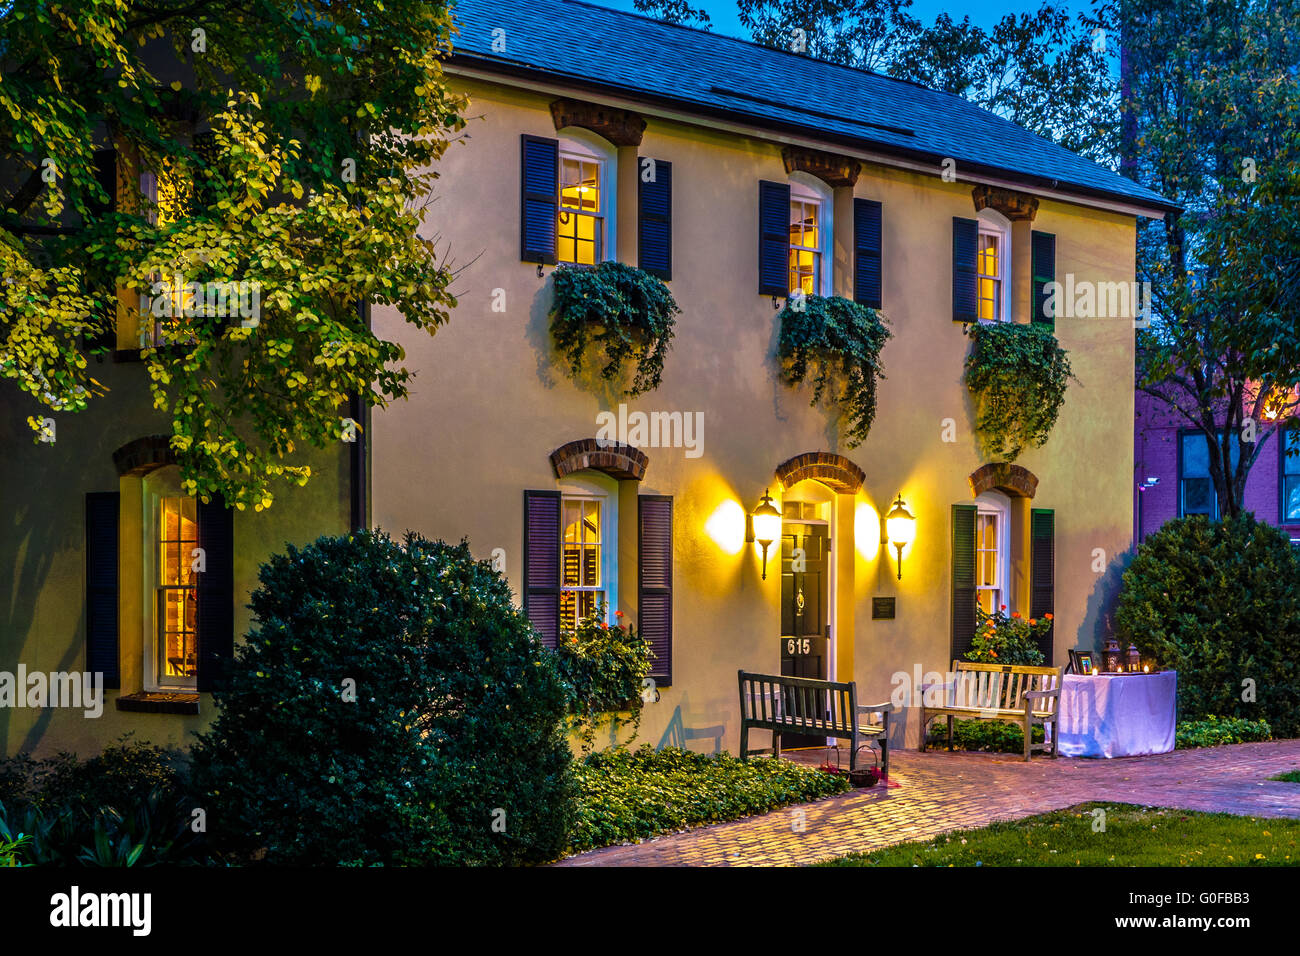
<point x="984" y="14"/>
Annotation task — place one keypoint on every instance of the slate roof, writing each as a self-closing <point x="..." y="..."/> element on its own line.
<point x="647" y="60"/>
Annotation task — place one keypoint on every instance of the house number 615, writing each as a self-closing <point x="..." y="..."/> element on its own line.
<point x="798" y="645"/>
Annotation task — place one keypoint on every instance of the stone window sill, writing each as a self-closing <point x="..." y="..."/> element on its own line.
<point x="158" y="702"/>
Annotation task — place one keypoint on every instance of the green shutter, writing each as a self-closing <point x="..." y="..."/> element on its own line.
<point x="1043" y="248"/>
<point x="1042" y="571"/>
<point x="963" y="579"/>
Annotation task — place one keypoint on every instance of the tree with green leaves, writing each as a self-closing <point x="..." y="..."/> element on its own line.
<point x="288" y="145"/>
<point x="1212" y="113"/>
<point x="675" y="11"/>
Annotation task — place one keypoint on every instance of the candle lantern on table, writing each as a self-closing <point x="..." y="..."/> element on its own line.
<point x="1134" y="659"/>
<point x="1111" y="656"/>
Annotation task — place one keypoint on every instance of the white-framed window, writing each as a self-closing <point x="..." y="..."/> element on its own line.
<point x="171" y="598"/>
<point x="584" y="233"/>
<point x="810" y="232"/>
<point x="992" y="551"/>
<point x="993" y="267"/>
<point x="588" y="549"/>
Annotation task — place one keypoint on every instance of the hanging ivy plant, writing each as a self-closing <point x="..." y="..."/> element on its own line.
<point x="1018" y="375"/>
<point x="836" y="343"/>
<point x="627" y="313"/>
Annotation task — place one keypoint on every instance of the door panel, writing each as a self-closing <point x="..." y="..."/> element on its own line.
<point x="805" y="632"/>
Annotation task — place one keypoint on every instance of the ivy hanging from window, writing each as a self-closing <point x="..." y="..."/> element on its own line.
<point x="836" y="343"/>
<point x="627" y="313"/>
<point x="1017" y="374"/>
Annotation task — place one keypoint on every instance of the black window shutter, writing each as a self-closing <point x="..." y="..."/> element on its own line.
<point x="1042" y="571"/>
<point x="866" y="252"/>
<point x="655" y="581"/>
<point x="216" y="591"/>
<point x="102" y="509"/>
<point x="1043" y="245"/>
<point x="963" y="579"/>
<point x="655" y="221"/>
<point x="965" y="251"/>
<point x="106" y="176"/>
<point x="539" y="198"/>
<point x="542" y="563"/>
<point x="773" y="238"/>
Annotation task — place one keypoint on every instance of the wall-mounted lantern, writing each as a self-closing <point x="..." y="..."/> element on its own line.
<point x="900" y="529"/>
<point x="764" y="526"/>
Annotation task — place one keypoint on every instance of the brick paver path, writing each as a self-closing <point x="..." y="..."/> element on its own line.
<point x="938" y="792"/>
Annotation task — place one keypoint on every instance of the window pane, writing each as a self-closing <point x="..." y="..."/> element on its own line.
<point x="1198" y="496"/>
<point x="1291" y="498"/>
<point x="591" y="566"/>
<point x="1196" y="456"/>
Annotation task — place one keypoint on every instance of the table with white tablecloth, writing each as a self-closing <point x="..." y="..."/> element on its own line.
<point x="1117" y="715"/>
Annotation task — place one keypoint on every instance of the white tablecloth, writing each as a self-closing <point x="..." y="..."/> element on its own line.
<point x="1117" y="715"/>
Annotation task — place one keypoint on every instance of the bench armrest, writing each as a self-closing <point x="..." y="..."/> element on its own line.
<point x="885" y="708"/>
<point x="1042" y="694"/>
<point x="947" y="686"/>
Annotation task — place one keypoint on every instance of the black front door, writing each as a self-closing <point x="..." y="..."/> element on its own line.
<point x="805" y="632"/>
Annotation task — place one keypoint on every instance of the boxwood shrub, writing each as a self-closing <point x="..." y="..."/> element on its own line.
<point x="391" y="707"/>
<point x="1215" y="731"/>
<point x="1219" y="601"/>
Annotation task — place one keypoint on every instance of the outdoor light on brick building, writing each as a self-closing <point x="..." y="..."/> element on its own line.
<point x="765" y="526"/>
<point x="900" y="529"/>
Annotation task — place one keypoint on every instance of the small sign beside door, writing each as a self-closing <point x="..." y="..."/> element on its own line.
<point x="882" y="608"/>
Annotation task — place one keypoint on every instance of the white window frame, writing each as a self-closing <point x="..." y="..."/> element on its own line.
<point x="158" y="484"/>
<point x="603" y="490"/>
<point x="586" y="146"/>
<point x="809" y="189"/>
<point x="993" y="223"/>
<point x="997" y="505"/>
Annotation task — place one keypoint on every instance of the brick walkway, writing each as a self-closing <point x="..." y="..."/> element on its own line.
<point x="938" y="792"/>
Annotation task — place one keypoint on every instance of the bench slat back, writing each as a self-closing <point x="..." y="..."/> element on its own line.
<point x="800" y="702"/>
<point x="1002" y="686"/>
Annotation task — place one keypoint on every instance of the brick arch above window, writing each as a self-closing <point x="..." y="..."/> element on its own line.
<point x="1014" y="480"/>
<point x="619" y="127"/>
<point x="143" y="455"/>
<point x="616" y="460"/>
<point x="831" y="169"/>
<point x="834" y="471"/>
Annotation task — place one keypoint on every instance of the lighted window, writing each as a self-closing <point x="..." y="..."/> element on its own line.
<point x="583" y="585"/>
<point x="1291" y="475"/>
<point x="176" y="591"/>
<point x="806" y="239"/>
<point x="168" y="196"/>
<point x="580" y="232"/>
<point x="991" y="273"/>
<point x="992" y="551"/>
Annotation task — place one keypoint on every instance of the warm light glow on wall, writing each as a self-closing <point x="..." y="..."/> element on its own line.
<point x="866" y="531"/>
<point x="726" y="526"/>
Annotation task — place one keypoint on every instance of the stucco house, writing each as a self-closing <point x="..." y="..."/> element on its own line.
<point x="735" y="174"/>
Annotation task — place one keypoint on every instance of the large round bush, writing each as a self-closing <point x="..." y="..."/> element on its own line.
<point x="1220" y="603"/>
<point x="450" y="749"/>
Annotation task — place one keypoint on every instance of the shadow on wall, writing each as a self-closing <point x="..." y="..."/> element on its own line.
<point x="678" y="735"/>
<point x="1099" y="617"/>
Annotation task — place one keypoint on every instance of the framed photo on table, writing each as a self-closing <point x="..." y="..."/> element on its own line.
<point x="1081" y="662"/>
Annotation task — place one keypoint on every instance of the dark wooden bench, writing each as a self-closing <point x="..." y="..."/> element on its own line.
<point x="801" y="705"/>
<point x="1015" y="693"/>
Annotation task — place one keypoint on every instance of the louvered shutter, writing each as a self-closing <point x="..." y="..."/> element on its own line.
<point x="963" y="579"/>
<point x="539" y="198"/>
<point x="101" y="586"/>
<point x="655" y="220"/>
<point x="1042" y="572"/>
<point x="1044" y="266"/>
<point x="106" y="176"/>
<point x="655" y="581"/>
<point x="773" y="238"/>
<point x="216" y="593"/>
<point x="866" y="252"/>
<point x="542" y="563"/>
<point x="965" y="251"/>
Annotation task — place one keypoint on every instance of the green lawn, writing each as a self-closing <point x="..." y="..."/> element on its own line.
<point x="1134" y="836"/>
<point x="1291" y="776"/>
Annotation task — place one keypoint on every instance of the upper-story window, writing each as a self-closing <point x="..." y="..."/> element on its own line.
<point x="584" y="228"/>
<point x="992" y="551"/>
<point x="1196" y="494"/>
<point x="992" y="266"/>
<point x="810" y="230"/>
<point x="1290" y="452"/>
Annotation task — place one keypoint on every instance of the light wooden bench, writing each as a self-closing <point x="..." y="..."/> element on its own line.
<point x="802" y="705"/>
<point x="1014" y="693"/>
